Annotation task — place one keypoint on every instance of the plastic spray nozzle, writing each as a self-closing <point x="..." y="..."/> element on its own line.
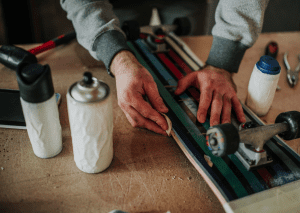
<point x="87" y="78"/>
<point x="35" y="83"/>
<point x="30" y="73"/>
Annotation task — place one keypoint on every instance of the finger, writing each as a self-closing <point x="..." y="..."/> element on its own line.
<point x="204" y="104"/>
<point x="137" y="120"/>
<point x="226" y="110"/>
<point x="155" y="99"/>
<point x="238" y="109"/>
<point x="216" y="109"/>
<point x="145" y="109"/>
<point x="185" y="82"/>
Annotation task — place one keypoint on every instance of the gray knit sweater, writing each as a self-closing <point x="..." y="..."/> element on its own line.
<point x="238" y="24"/>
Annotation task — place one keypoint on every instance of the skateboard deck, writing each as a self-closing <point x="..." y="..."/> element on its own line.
<point x="272" y="188"/>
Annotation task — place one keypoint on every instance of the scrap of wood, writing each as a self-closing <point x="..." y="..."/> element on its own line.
<point x="208" y="160"/>
<point x="168" y="131"/>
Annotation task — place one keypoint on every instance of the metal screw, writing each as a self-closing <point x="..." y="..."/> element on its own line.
<point x="251" y="162"/>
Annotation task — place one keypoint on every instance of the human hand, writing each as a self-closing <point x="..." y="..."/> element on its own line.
<point x="134" y="82"/>
<point x="217" y="90"/>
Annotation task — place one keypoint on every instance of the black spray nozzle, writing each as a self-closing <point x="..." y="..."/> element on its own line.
<point x="87" y="78"/>
<point x="30" y="73"/>
<point x="35" y="83"/>
<point x="14" y="57"/>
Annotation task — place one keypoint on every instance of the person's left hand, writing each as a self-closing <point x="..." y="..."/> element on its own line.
<point x="217" y="90"/>
<point x="134" y="84"/>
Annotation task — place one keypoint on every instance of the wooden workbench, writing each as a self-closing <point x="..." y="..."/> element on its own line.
<point x="149" y="172"/>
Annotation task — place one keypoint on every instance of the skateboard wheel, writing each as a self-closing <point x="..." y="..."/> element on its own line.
<point x="183" y="26"/>
<point x="292" y="118"/>
<point x="131" y="29"/>
<point x="223" y="139"/>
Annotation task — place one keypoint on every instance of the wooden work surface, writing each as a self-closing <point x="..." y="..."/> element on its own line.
<point x="149" y="172"/>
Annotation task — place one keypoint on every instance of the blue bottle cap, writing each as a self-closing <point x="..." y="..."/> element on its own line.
<point x="268" y="65"/>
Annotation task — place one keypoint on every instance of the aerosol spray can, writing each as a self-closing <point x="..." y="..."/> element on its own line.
<point x="40" y="109"/>
<point x="91" y="122"/>
<point x="262" y="85"/>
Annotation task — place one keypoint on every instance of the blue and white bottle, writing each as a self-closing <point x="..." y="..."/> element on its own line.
<point x="262" y="85"/>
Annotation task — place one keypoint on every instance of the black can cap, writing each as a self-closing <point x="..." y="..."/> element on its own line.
<point x="35" y="83"/>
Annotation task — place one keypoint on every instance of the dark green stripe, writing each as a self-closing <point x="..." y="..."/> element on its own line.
<point x="218" y="162"/>
<point x="251" y="178"/>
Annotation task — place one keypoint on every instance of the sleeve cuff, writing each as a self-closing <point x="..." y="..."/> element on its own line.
<point x="108" y="45"/>
<point x="226" y="54"/>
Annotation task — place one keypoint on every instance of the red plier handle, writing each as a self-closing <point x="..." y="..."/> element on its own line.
<point x="272" y="49"/>
<point x="53" y="43"/>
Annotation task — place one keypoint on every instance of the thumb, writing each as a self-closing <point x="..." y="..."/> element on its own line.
<point x="155" y="100"/>
<point x="185" y="82"/>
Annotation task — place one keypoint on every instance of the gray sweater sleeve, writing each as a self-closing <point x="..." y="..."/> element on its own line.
<point x="97" y="28"/>
<point x="238" y="25"/>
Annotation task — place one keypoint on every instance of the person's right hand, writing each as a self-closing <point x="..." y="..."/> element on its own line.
<point x="217" y="94"/>
<point x="134" y="83"/>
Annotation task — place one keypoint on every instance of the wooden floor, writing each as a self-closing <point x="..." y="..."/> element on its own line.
<point x="149" y="172"/>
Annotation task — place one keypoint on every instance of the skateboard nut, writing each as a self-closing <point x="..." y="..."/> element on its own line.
<point x="251" y="162"/>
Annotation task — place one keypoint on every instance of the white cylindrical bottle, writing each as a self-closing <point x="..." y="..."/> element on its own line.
<point x="40" y="110"/>
<point x="91" y="122"/>
<point x="262" y="85"/>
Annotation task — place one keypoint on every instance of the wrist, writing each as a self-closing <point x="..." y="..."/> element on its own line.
<point x="226" y="74"/>
<point x="217" y="69"/>
<point x="121" y="61"/>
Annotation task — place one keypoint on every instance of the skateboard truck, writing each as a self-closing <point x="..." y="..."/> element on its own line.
<point x="156" y="31"/>
<point x="252" y="140"/>
<point x="247" y="143"/>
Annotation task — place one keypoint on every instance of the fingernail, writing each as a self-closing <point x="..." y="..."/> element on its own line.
<point x="164" y="107"/>
<point x="226" y="122"/>
<point x="164" y="127"/>
<point x="176" y="91"/>
<point x="214" y="123"/>
<point x="201" y="119"/>
<point x="164" y="133"/>
<point x="243" y="120"/>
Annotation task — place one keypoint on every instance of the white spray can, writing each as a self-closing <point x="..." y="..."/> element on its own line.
<point x="91" y="122"/>
<point x="40" y="109"/>
<point x="262" y="85"/>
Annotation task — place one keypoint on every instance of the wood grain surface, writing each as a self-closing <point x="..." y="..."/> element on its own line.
<point x="149" y="172"/>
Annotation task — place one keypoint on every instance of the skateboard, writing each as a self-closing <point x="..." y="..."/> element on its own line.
<point x="240" y="182"/>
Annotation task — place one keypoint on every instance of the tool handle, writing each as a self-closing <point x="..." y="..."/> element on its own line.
<point x="272" y="49"/>
<point x="62" y="39"/>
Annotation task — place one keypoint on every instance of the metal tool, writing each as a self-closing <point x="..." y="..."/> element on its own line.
<point x="247" y="143"/>
<point x="292" y="76"/>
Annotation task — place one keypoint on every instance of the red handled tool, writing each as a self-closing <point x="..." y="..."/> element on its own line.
<point x="62" y="39"/>
<point x="13" y="57"/>
<point x="272" y="49"/>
